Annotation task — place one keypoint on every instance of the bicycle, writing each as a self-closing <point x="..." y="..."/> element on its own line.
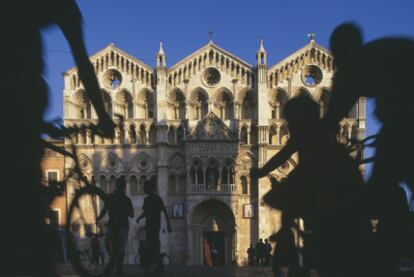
<point x="143" y="251"/>
<point x="82" y="228"/>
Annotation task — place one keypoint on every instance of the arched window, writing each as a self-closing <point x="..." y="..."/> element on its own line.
<point x="142" y="135"/>
<point x="212" y="175"/>
<point x="199" y="102"/>
<point x="273" y="135"/>
<point x="107" y="101"/>
<point x="102" y="183"/>
<point x="132" y="134"/>
<point x="180" y="135"/>
<point x="244" y="186"/>
<point x="223" y="105"/>
<point x="171" y="135"/>
<point x="112" y="183"/>
<point x="243" y="135"/>
<point x="145" y="104"/>
<point x="225" y="176"/>
<point x="284" y="135"/>
<point x="197" y="175"/>
<point x="141" y="183"/>
<point x="133" y="188"/>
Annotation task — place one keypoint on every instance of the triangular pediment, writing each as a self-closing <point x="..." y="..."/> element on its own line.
<point x="211" y="128"/>
<point x="111" y="49"/>
<point x="205" y="50"/>
<point x="310" y="54"/>
<point x="303" y="51"/>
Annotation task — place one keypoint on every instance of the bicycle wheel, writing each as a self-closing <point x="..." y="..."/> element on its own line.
<point x="85" y="238"/>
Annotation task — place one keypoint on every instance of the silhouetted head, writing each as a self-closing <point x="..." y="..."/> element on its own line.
<point x="266" y="240"/>
<point x="302" y="114"/>
<point x="121" y="184"/>
<point x="149" y="186"/>
<point x="346" y="39"/>
<point x="260" y="240"/>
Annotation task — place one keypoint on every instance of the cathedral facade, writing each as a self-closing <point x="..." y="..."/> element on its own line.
<point x="197" y="127"/>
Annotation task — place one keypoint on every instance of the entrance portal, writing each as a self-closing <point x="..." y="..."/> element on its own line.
<point x="217" y="247"/>
<point x="214" y="221"/>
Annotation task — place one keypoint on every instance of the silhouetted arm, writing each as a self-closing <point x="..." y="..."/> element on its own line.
<point x="277" y="160"/>
<point x="103" y="213"/>
<point x="141" y="216"/>
<point x="69" y="20"/>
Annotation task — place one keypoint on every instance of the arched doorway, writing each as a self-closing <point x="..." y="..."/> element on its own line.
<point x="214" y="221"/>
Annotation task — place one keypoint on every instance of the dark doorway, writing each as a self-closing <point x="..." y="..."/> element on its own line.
<point x="217" y="246"/>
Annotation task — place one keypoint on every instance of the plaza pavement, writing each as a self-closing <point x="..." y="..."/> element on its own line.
<point x="186" y="271"/>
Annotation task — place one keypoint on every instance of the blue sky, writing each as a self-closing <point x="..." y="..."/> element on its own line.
<point x="183" y="25"/>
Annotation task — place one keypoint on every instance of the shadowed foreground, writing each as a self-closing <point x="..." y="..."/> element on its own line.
<point x="200" y="271"/>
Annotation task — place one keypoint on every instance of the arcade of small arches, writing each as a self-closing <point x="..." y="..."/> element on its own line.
<point x="215" y="176"/>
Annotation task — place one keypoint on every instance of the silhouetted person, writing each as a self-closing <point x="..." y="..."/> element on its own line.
<point x="152" y="208"/>
<point x="22" y="238"/>
<point x="251" y="253"/>
<point x="381" y="70"/>
<point x="119" y="208"/>
<point x="260" y="252"/>
<point x="214" y="254"/>
<point x="268" y="252"/>
<point x="284" y="257"/>
<point x="325" y="189"/>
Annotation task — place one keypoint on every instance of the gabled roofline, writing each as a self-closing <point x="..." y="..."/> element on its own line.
<point x="210" y="44"/>
<point x="308" y="46"/>
<point x="112" y="47"/>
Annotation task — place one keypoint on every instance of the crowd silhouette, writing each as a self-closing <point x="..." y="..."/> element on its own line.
<point x="326" y="190"/>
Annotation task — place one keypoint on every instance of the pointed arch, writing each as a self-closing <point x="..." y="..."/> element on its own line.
<point x="199" y="103"/>
<point x="176" y="100"/>
<point x="125" y="102"/>
<point x="223" y="100"/>
<point x="145" y="104"/>
<point x="277" y="100"/>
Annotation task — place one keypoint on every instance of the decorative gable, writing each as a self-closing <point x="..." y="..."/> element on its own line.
<point x="312" y="53"/>
<point x="211" y="128"/>
<point x="210" y="56"/>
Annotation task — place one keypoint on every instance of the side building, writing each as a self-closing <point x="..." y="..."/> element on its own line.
<point x="198" y="127"/>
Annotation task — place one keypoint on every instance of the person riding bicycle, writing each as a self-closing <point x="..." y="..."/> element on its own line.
<point x="22" y="66"/>
<point x="380" y="70"/>
<point x="152" y="209"/>
<point x="119" y="207"/>
<point x="325" y="189"/>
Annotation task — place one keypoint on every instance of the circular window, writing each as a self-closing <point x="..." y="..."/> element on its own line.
<point x="143" y="163"/>
<point x="211" y="77"/>
<point x="112" y="79"/>
<point x="312" y="75"/>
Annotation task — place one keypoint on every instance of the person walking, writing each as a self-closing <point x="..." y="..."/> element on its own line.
<point x="251" y="252"/>
<point x="267" y="252"/>
<point x="260" y="249"/>
<point x="119" y="207"/>
<point x="152" y="209"/>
